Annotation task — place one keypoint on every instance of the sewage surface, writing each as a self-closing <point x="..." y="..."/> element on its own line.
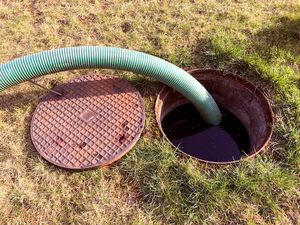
<point x="185" y="128"/>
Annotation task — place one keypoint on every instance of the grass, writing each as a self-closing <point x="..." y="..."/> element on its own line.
<point x="153" y="184"/>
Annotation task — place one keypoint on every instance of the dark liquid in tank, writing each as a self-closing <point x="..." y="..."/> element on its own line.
<point x="185" y="128"/>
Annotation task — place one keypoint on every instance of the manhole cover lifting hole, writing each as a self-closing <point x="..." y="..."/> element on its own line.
<point x="97" y="120"/>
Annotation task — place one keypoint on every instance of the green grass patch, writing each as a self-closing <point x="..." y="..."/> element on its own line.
<point x="153" y="183"/>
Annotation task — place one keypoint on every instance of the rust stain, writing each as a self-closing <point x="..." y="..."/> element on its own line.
<point x="93" y="124"/>
<point x="233" y="93"/>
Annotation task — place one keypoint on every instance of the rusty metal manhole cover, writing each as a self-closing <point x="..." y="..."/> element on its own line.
<point x="97" y="120"/>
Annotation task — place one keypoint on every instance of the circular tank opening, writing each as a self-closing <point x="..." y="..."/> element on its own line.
<point x="245" y="129"/>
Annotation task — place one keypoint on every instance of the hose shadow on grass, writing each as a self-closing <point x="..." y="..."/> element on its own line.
<point x="78" y="89"/>
<point x="17" y="100"/>
<point x="11" y="101"/>
<point x="280" y="42"/>
<point x="210" y="55"/>
<point x="25" y="101"/>
<point x="285" y="35"/>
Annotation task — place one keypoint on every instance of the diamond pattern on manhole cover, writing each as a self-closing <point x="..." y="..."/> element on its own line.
<point x="97" y="120"/>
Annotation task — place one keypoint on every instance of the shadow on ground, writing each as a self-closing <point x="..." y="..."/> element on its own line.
<point x="15" y="100"/>
<point x="285" y="35"/>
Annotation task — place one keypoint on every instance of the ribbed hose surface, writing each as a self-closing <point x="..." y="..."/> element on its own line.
<point x="35" y="65"/>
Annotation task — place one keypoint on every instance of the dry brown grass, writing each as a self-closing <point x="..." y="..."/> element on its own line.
<point x="152" y="184"/>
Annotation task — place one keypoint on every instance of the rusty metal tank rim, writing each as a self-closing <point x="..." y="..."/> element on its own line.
<point x="168" y="99"/>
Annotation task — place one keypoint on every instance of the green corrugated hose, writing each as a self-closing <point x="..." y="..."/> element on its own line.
<point x="35" y="65"/>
